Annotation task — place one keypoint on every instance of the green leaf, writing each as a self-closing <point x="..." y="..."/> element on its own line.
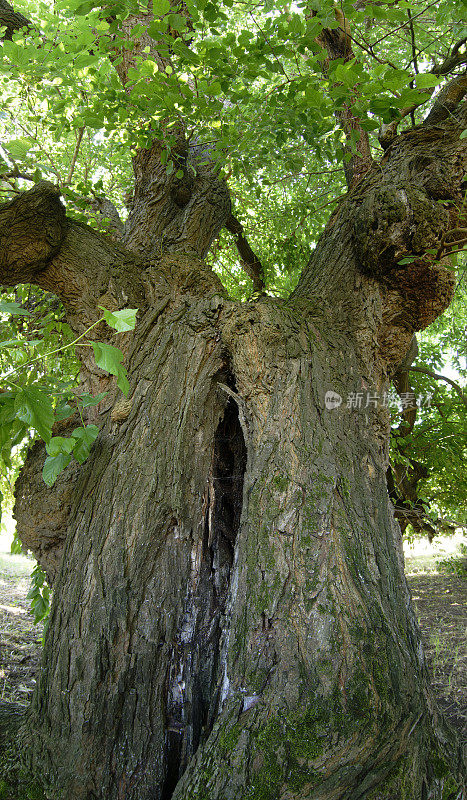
<point x="109" y="358"/>
<point x="83" y="440"/>
<point x="177" y="22"/>
<point x="87" y="400"/>
<point x="59" y="444"/>
<point x="40" y="608"/>
<point x="122" y="381"/>
<point x="53" y="466"/>
<point x="16" y="546"/>
<point x="409" y="96"/>
<point x="63" y="411"/>
<point x="160" y="7"/>
<point x="92" y="120"/>
<point x="346" y="75"/>
<point x="14" y="343"/>
<point x="427" y="81"/>
<point x="14" y="309"/>
<point x="121" y="321"/>
<point x="19" y="148"/>
<point x="34" y="408"/>
<point x="7" y="408"/>
<point x="214" y="89"/>
<point x="33" y="592"/>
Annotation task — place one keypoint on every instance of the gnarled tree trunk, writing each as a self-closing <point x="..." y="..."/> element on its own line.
<point x="231" y="618"/>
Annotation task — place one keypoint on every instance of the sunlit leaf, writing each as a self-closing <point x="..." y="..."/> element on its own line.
<point x="53" y="466"/>
<point x="14" y="309"/>
<point x="34" y="407"/>
<point x="83" y="440"/>
<point x="124" y="320"/>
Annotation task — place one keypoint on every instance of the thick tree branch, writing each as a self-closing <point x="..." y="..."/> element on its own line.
<point x="454" y="59"/>
<point x="179" y="203"/>
<point x="32" y="229"/>
<point x="447" y="100"/>
<point x="390" y="228"/>
<point x="171" y="214"/>
<point x="38" y="244"/>
<point x="102" y="206"/>
<point x="250" y="261"/>
<point x="143" y="45"/>
<point x="10" y="19"/>
<point x="338" y="44"/>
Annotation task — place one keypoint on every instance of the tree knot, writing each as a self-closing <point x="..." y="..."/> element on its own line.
<point x="394" y="224"/>
<point x="32" y="229"/>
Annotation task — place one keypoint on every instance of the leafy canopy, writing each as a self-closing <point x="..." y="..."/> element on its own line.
<point x="253" y="83"/>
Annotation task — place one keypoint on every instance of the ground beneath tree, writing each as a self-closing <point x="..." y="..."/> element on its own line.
<point x="20" y="641"/>
<point x="440" y="601"/>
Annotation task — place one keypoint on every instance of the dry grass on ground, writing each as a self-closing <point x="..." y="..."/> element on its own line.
<point x="440" y="601"/>
<point x="20" y="641"/>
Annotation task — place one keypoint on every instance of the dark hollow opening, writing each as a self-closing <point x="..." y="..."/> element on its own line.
<point x="192" y="710"/>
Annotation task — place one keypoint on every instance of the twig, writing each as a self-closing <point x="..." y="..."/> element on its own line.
<point x="435" y="3"/>
<point x="51" y="352"/>
<point x="15" y="173"/>
<point x="75" y="155"/>
<point x="437" y="377"/>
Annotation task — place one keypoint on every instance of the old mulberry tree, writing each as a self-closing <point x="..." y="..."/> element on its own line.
<point x="230" y="616"/>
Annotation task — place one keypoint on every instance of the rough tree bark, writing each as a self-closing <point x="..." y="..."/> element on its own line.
<point x="231" y="619"/>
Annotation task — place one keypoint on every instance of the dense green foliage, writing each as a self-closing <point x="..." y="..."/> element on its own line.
<point x="439" y="440"/>
<point x="248" y="79"/>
